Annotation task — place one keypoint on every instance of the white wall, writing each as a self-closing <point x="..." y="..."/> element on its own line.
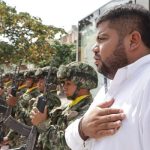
<point x="145" y="3"/>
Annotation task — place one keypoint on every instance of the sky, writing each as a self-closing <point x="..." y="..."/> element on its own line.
<point x="60" y="13"/>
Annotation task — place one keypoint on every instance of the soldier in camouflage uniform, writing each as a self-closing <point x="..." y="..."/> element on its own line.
<point x="2" y="103"/>
<point x="79" y="79"/>
<point x="31" y="92"/>
<point x="20" y="81"/>
<point x="23" y="107"/>
<point x="22" y="85"/>
<point x="52" y="102"/>
<point x="6" y="83"/>
<point x="21" y="90"/>
<point x="2" y="91"/>
<point x="7" y="79"/>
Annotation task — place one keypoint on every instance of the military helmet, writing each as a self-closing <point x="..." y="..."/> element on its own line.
<point x="82" y="74"/>
<point x="43" y="72"/>
<point x="29" y="74"/>
<point x="8" y="74"/>
<point x="20" y="76"/>
<point x="53" y="74"/>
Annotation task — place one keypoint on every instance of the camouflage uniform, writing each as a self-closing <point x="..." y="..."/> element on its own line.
<point x="6" y="86"/>
<point x="22" y="111"/>
<point x="53" y="100"/>
<point x="25" y="101"/>
<point x="7" y="81"/>
<point x="20" y="91"/>
<point x="3" y="95"/>
<point x="22" y="86"/>
<point x="85" y="77"/>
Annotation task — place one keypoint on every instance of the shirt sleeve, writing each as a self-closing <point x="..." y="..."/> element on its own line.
<point x="73" y="139"/>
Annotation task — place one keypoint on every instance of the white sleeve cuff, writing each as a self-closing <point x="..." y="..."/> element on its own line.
<point x="73" y="139"/>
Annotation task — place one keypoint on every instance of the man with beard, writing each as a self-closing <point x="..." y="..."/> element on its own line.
<point x="122" y="54"/>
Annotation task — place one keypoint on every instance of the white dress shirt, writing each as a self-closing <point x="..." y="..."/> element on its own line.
<point x="131" y="91"/>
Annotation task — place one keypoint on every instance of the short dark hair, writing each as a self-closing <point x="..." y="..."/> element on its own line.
<point x="126" y="18"/>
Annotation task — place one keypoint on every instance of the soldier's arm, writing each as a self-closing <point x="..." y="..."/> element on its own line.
<point x="40" y="120"/>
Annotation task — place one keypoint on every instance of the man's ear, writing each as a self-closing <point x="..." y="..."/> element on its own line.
<point x="135" y="40"/>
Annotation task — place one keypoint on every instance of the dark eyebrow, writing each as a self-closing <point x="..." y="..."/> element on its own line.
<point x="101" y="34"/>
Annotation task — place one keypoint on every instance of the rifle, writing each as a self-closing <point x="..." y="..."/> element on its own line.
<point x="17" y="126"/>
<point x="2" y="101"/>
<point x="15" y="82"/>
<point x="3" y="109"/>
<point x="19" y="148"/>
<point x="14" y="89"/>
<point x="25" y="130"/>
<point x="49" y="82"/>
<point x="2" y="133"/>
<point x="1" y="80"/>
<point x="30" y="144"/>
<point x="1" y="87"/>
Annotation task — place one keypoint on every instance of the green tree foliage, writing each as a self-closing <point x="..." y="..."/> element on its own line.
<point x="28" y="38"/>
<point x="6" y="50"/>
<point x="62" y="54"/>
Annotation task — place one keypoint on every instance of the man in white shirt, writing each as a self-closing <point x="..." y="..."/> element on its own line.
<point x="123" y="55"/>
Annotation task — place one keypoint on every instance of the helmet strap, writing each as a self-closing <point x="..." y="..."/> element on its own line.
<point x="74" y="95"/>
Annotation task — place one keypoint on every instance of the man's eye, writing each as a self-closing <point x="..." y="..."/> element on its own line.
<point x="99" y="39"/>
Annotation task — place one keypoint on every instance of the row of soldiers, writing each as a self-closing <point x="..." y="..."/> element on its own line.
<point x="36" y="103"/>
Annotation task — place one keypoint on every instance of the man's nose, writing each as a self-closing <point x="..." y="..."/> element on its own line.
<point x="95" y="48"/>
